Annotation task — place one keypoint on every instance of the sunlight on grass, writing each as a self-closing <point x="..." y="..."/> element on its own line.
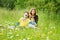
<point x="46" y="30"/>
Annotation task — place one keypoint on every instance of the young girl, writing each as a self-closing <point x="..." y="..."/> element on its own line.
<point x="33" y="18"/>
<point x="24" y="21"/>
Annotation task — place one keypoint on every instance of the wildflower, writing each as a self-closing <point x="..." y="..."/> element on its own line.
<point x="28" y="38"/>
<point x="50" y="32"/>
<point x="47" y="38"/>
<point x="2" y="29"/>
<point x="10" y="37"/>
<point x="16" y="28"/>
<point x="43" y="35"/>
<point x="24" y="39"/>
<point x="10" y="33"/>
<point x="17" y="34"/>
<point x="52" y="27"/>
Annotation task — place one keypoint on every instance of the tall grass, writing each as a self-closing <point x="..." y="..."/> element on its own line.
<point x="48" y="26"/>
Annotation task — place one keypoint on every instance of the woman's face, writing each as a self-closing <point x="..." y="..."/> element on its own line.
<point x="33" y="12"/>
<point x="25" y="14"/>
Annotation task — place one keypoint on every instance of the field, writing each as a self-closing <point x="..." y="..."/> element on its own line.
<point x="48" y="26"/>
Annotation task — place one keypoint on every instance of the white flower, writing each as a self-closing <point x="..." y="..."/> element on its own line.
<point x="2" y="29"/>
<point x="47" y="38"/>
<point x="28" y="38"/>
<point x="45" y="28"/>
<point x="11" y="27"/>
<point x="11" y="37"/>
<point x="17" y="34"/>
<point x="54" y="34"/>
<point x="22" y="32"/>
<point x="52" y="27"/>
<point x="43" y="35"/>
<point x="4" y="39"/>
<point x="0" y="25"/>
<point x="16" y="28"/>
<point x="50" y="32"/>
<point x="24" y="39"/>
<point x="9" y="33"/>
<point x="19" y="39"/>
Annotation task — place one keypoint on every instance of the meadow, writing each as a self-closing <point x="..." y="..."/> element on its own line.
<point x="47" y="29"/>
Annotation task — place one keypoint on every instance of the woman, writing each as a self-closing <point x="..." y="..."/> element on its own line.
<point x="33" y="18"/>
<point x="33" y="15"/>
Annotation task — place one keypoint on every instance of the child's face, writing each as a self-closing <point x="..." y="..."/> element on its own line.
<point x="25" y="15"/>
<point x="33" y="12"/>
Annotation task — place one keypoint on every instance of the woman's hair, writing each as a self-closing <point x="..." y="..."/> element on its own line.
<point x="35" y="16"/>
<point x="31" y="11"/>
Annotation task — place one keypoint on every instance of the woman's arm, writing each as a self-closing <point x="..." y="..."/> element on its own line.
<point x="36" y="18"/>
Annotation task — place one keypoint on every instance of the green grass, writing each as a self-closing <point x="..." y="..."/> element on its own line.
<point x="48" y="26"/>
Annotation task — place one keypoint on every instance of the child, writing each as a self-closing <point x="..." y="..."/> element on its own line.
<point x="24" y="21"/>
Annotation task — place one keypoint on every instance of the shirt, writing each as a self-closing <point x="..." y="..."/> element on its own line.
<point x="36" y="18"/>
<point x="24" y="22"/>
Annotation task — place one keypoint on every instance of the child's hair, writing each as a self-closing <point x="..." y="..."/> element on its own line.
<point x="31" y="11"/>
<point x="27" y="13"/>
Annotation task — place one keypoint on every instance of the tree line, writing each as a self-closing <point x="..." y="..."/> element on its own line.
<point x="44" y="5"/>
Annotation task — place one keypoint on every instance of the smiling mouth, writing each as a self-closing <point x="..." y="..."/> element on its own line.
<point x="25" y="15"/>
